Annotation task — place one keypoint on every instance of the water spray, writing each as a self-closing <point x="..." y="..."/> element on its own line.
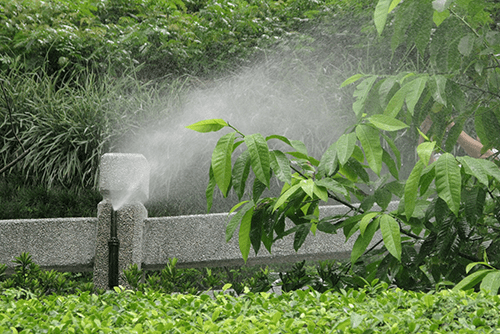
<point x="114" y="246"/>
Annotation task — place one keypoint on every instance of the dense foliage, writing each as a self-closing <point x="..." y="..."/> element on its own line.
<point x="447" y="216"/>
<point x="371" y="310"/>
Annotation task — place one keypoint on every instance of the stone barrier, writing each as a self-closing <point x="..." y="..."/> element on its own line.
<point x="81" y="244"/>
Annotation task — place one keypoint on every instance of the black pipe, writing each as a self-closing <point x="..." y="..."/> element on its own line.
<point x="114" y="245"/>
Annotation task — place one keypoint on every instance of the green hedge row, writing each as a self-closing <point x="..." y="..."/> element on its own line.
<point x="375" y="309"/>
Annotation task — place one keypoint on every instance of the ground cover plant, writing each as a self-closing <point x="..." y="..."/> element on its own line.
<point x="375" y="309"/>
<point x="446" y="225"/>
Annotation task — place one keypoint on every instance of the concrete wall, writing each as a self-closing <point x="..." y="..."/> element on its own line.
<point x="69" y="244"/>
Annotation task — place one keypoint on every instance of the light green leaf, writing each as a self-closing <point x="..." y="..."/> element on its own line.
<point x="380" y="15"/>
<point x="208" y="125"/>
<point x="308" y="186"/>
<point x="414" y="91"/>
<point x="425" y="151"/>
<point x="345" y="146"/>
<point x="259" y="157"/>
<point x="221" y="162"/>
<point x="386" y="123"/>
<point x="491" y="283"/>
<point x="391" y="165"/>
<point x="236" y="218"/>
<point x="244" y="234"/>
<point x="321" y="192"/>
<point x="411" y="188"/>
<point x="284" y="196"/>
<point x="332" y="185"/>
<point x="209" y="192"/>
<point x="241" y="169"/>
<point x="472" y="280"/>
<point x="439" y="17"/>
<point x="370" y="140"/>
<point x="391" y="235"/>
<point x="480" y="169"/>
<point x="282" y="138"/>
<point x="351" y="79"/>
<point x="393" y="5"/>
<point x="361" y="93"/>
<point x="281" y="166"/>
<point x="448" y="181"/>
<point x="396" y="102"/>
<point x="367" y="218"/>
<point x="466" y="45"/>
<point x="394" y="148"/>
<point x="363" y="241"/>
<point x="328" y="164"/>
<point x="299" y="146"/>
<point x="438" y="89"/>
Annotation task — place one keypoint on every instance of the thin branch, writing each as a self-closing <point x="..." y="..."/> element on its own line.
<point x="12" y="163"/>
<point x="479" y="89"/>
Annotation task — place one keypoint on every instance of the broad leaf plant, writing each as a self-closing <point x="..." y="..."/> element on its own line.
<point x="448" y="213"/>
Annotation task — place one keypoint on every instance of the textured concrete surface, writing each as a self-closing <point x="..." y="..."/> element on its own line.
<point x="63" y="244"/>
<point x="124" y="178"/>
<point x="199" y="240"/>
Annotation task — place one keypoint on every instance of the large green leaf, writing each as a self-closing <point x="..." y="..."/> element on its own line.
<point x="328" y="164"/>
<point x="241" y="170"/>
<point x="281" y="166"/>
<point x="472" y="280"/>
<point x="370" y="140"/>
<point x="209" y="192"/>
<point x="438" y="89"/>
<point x="301" y="235"/>
<point x="367" y="218"/>
<point x="389" y="162"/>
<point x="380" y="15"/>
<point x="259" y="157"/>
<point x="414" y="91"/>
<point x="480" y="169"/>
<point x="449" y="181"/>
<point x="345" y="146"/>
<point x="332" y="185"/>
<point x="244" y="234"/>
<point x="425" y="151"/>
<point x="361" y="93"/>
<point x="411" y="188"/>
<point x="386" y="123"/>
<point x="364" y="240"/>
<point x="236" y="218"/>
<point x="391" y="235"/>
<point x="208" y="125"/>
<point x="221" y="162"/>
<point x="284" y="196"/>
<point x="491" y="283"/>
<point x="351" y="79"/>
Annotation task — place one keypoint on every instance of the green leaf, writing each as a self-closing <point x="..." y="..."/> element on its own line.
<point x="391" y="235"/>
<point x="466" y="44"/>
<point x="411" y="188"/>
<point x="391" y="165"/>
<point x="394" y="148"/>
<point x="367" y="218"/>
<point x="321" y="192"/>
<point x="281" y="166"/>
<point x="244" y="234"/>
<point x="491" y="283"/>
<point x="414" y="91"/>
<point x="332" y="185"/>
<point x="361" y="93"/>
<point x="299" y="147"/>
<point x="438" y="89"/>
<point x="370" y="140"/>
<point x="425" y="151"/>
<point x="396" y="102"/>
<point x="208" y="125"/>
<point x="449" y="181"/>
<point x="308" y="186"/>
<point x="441" y="5"/>
<point x="282" y="138"/>
<point x="345" y="146"/>
<point x="241" y="170"/>
<point x="472" y="280"/>
<point x="386" y="123"/>
<point x="284" y="197"/>
<point x="328" y="164"/>
<point x="480" y="169"/>
<point x="380" y="15"/>
<point x="393" y="5"/>
<point x="351" y="79"/>
<point x="439" y="17"/>
<point x="221" y="162"/>
<point x="236" y="218"/>
<point x="259" y="157"/>
<point x="363" y="241"/>
<point x="209" y="193"/>
<point x="300" y="235"/>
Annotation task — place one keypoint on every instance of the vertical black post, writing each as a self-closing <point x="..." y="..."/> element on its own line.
<point x="114" y="245"/>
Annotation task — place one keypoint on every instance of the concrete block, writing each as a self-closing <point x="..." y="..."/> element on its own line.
<point x="124" y="178"/>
